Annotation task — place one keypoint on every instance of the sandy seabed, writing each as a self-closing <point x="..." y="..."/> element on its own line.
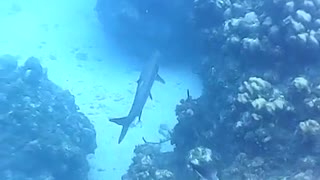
<point x="69" y="40"/>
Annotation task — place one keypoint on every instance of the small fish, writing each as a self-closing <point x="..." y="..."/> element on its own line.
<point x="145" y="82"/>
<point x="206" y="172"/>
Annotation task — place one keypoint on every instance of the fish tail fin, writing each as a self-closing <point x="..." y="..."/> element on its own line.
<point x="124" y="122"/>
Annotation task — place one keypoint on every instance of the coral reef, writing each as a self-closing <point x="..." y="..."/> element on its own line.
<point x="43" y="135"/>
<point x="268" y="30"/>
<point x="203" y="161"/>
<point x="260" y="101"/>
<point x="269" y="128"/>
<point x="148" y="164"/>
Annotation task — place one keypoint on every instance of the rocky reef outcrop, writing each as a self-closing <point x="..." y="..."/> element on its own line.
<point x="268" y="30"/>
<point x="149" y="163"/>
<point x="43" y="134"/>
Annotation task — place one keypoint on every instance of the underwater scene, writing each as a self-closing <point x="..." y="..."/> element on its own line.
<point x="160" y="90"/>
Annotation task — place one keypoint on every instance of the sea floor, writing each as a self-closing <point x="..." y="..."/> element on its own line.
<point x="68" y="38"/>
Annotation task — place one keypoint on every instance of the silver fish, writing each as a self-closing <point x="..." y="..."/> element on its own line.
<point x="147" y="77"/>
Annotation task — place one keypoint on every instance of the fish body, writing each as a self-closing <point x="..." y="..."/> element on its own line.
<point x="144" y="84"/>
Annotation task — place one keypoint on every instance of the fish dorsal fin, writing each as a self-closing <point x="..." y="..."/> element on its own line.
<point x="160" y="79"/>
<point x="139" y="119"/>
<point x="139" y="81"/>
